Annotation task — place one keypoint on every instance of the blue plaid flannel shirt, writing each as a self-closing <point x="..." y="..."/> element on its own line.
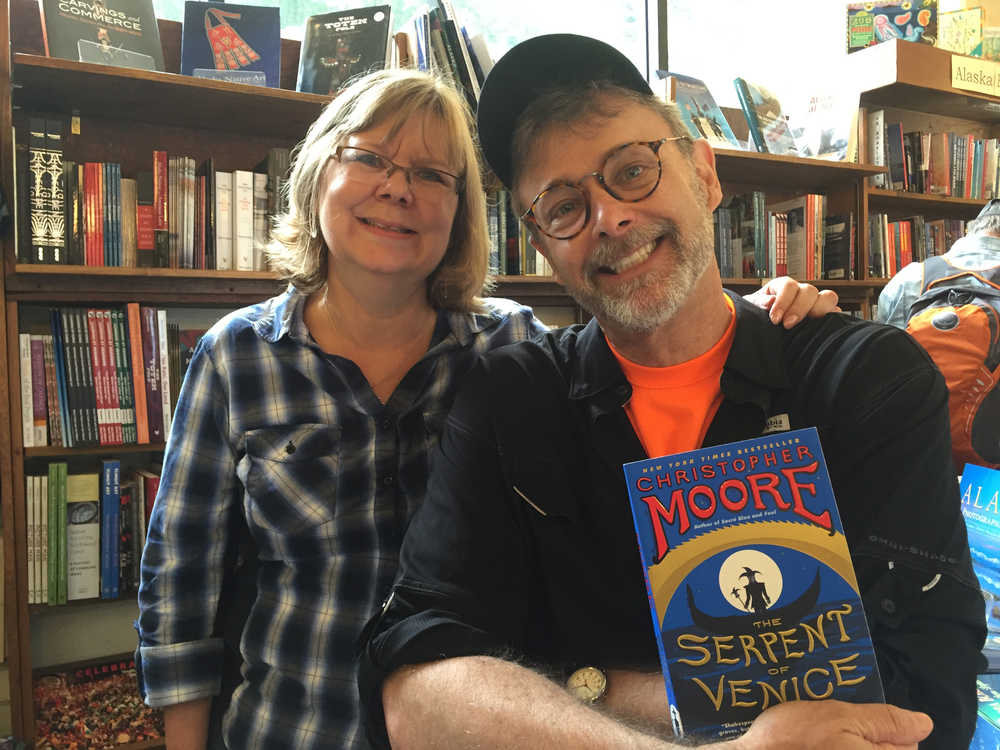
<point x="270" y="428"/>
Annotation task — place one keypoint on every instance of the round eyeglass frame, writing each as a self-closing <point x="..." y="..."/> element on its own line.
<point x="393" y="166"/>
<point x="654" y="146"/>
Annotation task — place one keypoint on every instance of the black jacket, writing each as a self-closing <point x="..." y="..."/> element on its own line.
<point x="526" y="544"/>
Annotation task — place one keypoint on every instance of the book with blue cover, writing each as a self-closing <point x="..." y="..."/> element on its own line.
<point x="751" y="586"/>
<point x="698" y="109"/>
<point x="765" y="118"/>
<point x="980" y="492"/>
<point x="225" y="36"/>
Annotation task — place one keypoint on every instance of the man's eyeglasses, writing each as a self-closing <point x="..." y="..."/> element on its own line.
<point x="367" y="166"/>
<point x="630" y="173"/>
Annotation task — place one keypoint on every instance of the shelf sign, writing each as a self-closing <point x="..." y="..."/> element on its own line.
<point x="974" y="74"/>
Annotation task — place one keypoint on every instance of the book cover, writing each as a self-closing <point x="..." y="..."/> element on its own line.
<point x="246" y="77"/>
<point x="93" y="704"/>
<point x="27" y="394"/>
<point x="83" y="536"/>
<point x="223" y="221"/>
<point x="242" y="215"/>
<point x="751" y="586"/>
<point x="337" y="46"/>
<point x="980" y="491"/>
<point x="109" y="32"/>
<point x="56" y="427"/>
<point x="39" y="405"/>
<point x="827" y="126"/>
<point x="151" y="373"/>
<point x="765" y="119"/>
<point x="226" y="36"/>
<point x="872" y="23"/>
<point x="961" y="31"/>
<point x="698" y="109"/>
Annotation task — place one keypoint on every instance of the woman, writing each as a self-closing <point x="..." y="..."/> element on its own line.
<point x="305" y="423"/>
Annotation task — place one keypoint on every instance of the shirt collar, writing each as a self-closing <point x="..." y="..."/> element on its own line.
<point x="756" y="357"/>
<point x="284" y="316"/>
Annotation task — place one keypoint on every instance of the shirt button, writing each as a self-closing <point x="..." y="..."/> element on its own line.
<point x="388" y="479"/>
<point x="386" y="423"/>
<point x="889" y="606"/>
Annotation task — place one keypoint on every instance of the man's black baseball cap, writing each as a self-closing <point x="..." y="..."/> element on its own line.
<point x="532" y="68"/>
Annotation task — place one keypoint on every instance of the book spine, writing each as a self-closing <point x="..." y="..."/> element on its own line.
<point x="52" y="392"/>
<point x="27" y="394"/>
<point x="260" y="233"/>
<point x="70" y="438"/>
<point x="223" y="221"/>
<point x="61" y="501"/>
<point x="151" y="374"/>
<point x="30" y="489"/>
<point x="88" y="392"/>
<point x="52" y="501"/>
<point x="38" y="191"/>
<point x="112" y="376"/>
<point x="56" y="207"/>
<point x="43" y="539"/>
<point x="38" y="392"/>
<point x="123" y="367"/>
<point x="134" y="337"/>
<point x="164" y="352"/>
<point x="98" y="373"/>
<point x="243" y="219"/>
<point x="110" y="510"/>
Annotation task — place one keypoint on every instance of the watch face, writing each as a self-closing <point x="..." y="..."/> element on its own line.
<point x="587" y="684"/>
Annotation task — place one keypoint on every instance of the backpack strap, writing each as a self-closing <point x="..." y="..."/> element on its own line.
<point x="938" y="271"/>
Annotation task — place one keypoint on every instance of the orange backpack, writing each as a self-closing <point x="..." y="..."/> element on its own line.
<point x="957" y="321"/>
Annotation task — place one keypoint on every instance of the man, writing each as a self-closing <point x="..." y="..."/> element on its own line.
<point x="522" y="566"/>
<point x="978" y="251"/>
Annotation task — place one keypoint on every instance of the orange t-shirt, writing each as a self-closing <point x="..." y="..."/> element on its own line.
<point x="672" y="407"/>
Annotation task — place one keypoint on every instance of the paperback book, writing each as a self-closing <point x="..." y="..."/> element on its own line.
<point x="340" y="45"/>
<point x="980" y="491"/>
<point x="872" y="23"/>
<point x="698" y="109"/>
<point x="225" y="36"/>
<point x="108" y="32"/>
<point x="751" y="587"/>
<point x="768" y="127"/>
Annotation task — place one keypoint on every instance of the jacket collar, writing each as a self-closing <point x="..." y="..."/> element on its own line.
<point x="755" y="361"/>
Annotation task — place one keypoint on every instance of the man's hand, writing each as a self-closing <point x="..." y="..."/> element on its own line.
<point x="789" y="301"/>
<point x="820" y="725"/>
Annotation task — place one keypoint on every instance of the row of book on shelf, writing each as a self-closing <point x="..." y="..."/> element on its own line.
<point x="958" y="165"/>
<point x="102" y="376"/>
<point x="85" y="532"/>
<point x="755" y="238"/>
<point x="242" y="43"/>
<point x="893" y="244"/>
<point x="177" y="214"/>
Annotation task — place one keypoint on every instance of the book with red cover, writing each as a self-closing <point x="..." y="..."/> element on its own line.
<point x="138" y="372"/>
<point x="93" y="704"/>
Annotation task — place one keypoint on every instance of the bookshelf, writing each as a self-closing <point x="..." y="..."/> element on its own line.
<point x="911" y="82"/>
<point x="123" y="115"/>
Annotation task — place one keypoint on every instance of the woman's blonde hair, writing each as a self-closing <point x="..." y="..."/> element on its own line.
<point x="297" y="250"/>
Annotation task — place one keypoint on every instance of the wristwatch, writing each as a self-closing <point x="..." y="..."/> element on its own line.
<point x="588" y="684"/>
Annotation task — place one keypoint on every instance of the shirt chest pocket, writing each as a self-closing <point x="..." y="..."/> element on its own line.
<point x="292" y="478"/>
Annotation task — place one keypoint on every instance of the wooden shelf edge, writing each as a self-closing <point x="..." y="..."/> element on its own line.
<point x="52" y="451"/>
<point x="23" y="62"/>
<point x="41" y="609"/>
<point x="944" y="200"/>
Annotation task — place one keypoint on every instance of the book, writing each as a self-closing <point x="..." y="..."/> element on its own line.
<point x="39" y="407"/>
<point x="261" y="234"/>
<point x="226" y="36"/>
<point x="109" y="32"/>
<point x="151" y="373"/>
<point x="872" y="23"/>
<point x="137" y="371"/>
<point x="340" y="45"/>
<point x="827" y="128"/>
<point x="765" y="119"/>
<point x="93" y="704"/>
<point x="979" y="488"/>
<point x="242" y="215"/>
<point x="698" y="109"/>
<point x="83" y="536"/>
<point x="876" y="145"/>
<point x="27" y="394"/>
<point x="223" y="221"/>
<point x="751" y="586"/>
<point x="110" y="522"/>
<point x="961" y="31"/>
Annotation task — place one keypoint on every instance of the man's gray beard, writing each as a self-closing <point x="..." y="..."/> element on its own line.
<point x="650" y="300"/>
